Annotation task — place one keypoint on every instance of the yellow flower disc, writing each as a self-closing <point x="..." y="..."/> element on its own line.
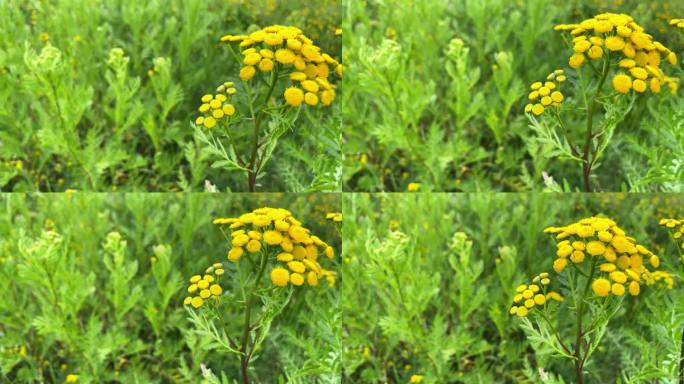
<point x="596" y="248"/>
<point x="215" y="290"/>
<point x="559" y="265"/>
<point x="639" y="86"/>
<point x="235" y="253"/>
<point x="634" y="288"/>
<point x="617" y="289"/>
<point x="538" y="109"/>
<point x="601" y="287"/>
<point x="294" y="96"/>
<point x="622" y="83"/>
<point x="273" y="237"/>
<point x="247" y="73"/>
<point x="280" y="276"/>
<point x="311" y="99"/>
<point x="312" y="279"/>
<point x="296" y="279"/>
<point x="266" y="65"/>
<point x="521" y="312"/>
<point x="229" y="109"/>
<point x="253" y="246"/>
<point x="615" y="43"/>
<point x="196" y="302"/>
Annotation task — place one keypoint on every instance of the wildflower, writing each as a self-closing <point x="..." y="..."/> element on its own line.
<point x="601" y="287"/>
<point x="292" y="247"/>
<point x="416" y="379"/>
<point x="546" y="94"/>
<point x="413" y="187"/>
<point x="679" y="23"/>
<point x="676" y="228"/>
<point x="204" y="287"/>
<point x="619" y="35"/>
<point x="334" y="216"/>
<point x="214" y="108"/>
<point x="294" y="96"/>
<point x="621" y="265"/>
<point x="72" y="378"/>
<point x="530" y="296"/>
<point x="286" y="49"/>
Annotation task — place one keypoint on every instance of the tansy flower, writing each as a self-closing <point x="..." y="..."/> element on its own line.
<point x="413" y="187"/>
<point x="618" y="35"/>
<point x="284" y="240"/>
<point x="334" y="216"/>
<point x="285" y="49"/>
<point x="547" y="94"/>
<point x="623" y="264"/>
<point x="537" y="294"/>
<point x="216" y="107"/>
<point x="203" y="288"/>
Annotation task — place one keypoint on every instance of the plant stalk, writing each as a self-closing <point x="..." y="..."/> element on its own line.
<point x="253" y="168"/>
<point x="579" y="360"/>
<point x="589" y="163"/>
<point x="245" y="357"/>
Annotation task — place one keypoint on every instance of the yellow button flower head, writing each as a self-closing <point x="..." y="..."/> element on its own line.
<point x="204" y="287"/>
<point x="294" y="96"/>
<point x="547" y="94"/>
<point x="676" y="229"/>
<point x="277" y="235"/>
<point x="286" y="49"/>
<point x="537" y="294"/>
<point x="601" y="287"/>
<point x="610" y="36"/>
<point x="215" y="108"/>
<point x="621" y="261"/>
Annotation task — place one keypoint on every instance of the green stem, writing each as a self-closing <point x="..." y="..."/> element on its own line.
<point x="253" y="169"/>
<point x="579" y="361"/>
<point x="245" y="357"/>
<point x="588" y="163"/>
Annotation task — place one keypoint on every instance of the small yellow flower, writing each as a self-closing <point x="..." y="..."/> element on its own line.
<point x="413" y="187"/>
<point x="296" y="279"/>
<point x="601" y="287"/>
<point x="294" y="96"/>
<point x="247" y="73"/>
<point x="280" y="276"/>
<point x="622" y="83"/>
<point x="72" y="378"/>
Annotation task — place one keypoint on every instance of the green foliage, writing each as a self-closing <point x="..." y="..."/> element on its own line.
<point x="94" y="286"/>
<point x="428" y="280"/>
<point x="101" y="96"/>
<point x="442" y="88"/>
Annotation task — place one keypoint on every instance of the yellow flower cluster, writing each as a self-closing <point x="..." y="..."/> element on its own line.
<point x="536" y="294"/>
<point x="292" y="246"/>
<point x="286" y="48"/>
<point x="334" y="216"/>
<point x="203" y="288"/>
<point x="622" y="258"/>
<point x="216" y="107"/>
<point x="676" y="227"/>
<point x="610" y="34"/>
<point x="679" y="23"/>
<point x="546" y="94"/>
